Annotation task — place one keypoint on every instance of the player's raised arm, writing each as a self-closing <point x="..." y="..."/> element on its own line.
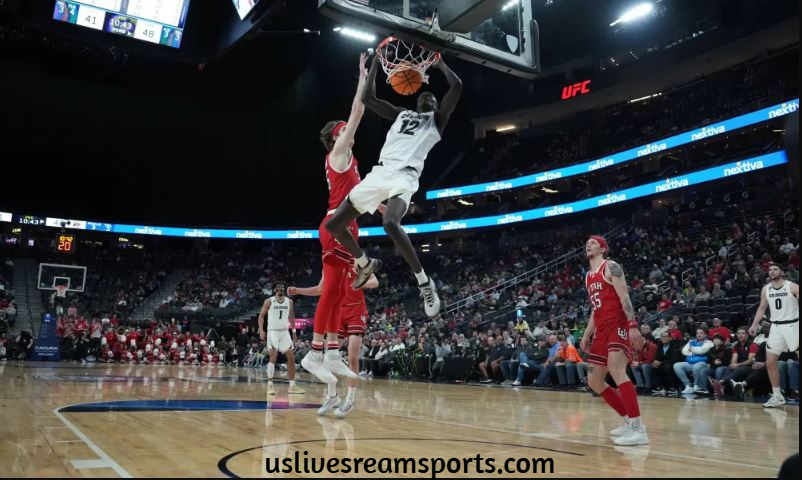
<point x="761" y="311"/>
<point x="340" y="155"/>
<point x="381" y="108"/>
<point x="451" y="99"/>
<point x="262" y="313"/>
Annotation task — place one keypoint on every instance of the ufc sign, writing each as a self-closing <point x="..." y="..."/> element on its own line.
<point x="580" y="88"/>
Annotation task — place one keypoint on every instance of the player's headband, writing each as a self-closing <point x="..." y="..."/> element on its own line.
<point x="338" y="129"/>
<point x="602" y="242"/>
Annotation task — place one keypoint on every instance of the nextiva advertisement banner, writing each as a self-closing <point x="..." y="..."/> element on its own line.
<point x="685" y="138"/>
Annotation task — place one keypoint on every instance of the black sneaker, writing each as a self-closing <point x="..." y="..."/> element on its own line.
<point x="363" y="274"/>
<point x="738" y="391"/>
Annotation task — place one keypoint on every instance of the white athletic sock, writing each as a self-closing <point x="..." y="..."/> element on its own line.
<point x="271" y="369"/>
<point x="777" y="391"/>
<point x="634" y="422"/>
<point x="332" y="389"/>
<point x="292" y="383"/>
<point x="362" y="261"/>
<point x="351" y="394"/>
<point x="422" y="277"/>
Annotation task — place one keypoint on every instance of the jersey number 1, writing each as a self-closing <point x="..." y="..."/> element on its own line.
<point x="409" y="127"/>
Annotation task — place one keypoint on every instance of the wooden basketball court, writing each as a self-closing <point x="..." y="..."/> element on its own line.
<point x="143" y="421"/>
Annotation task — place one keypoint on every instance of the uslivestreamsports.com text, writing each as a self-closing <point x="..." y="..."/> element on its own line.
<point x="302" y="464"/>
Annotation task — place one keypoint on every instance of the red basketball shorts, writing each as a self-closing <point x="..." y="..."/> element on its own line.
<point x="610" y="339"/>
<point x="354" y="319"/>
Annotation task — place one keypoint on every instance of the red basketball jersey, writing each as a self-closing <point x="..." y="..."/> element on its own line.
<point x="341" y="183"/>
<point x="607" y="309"/>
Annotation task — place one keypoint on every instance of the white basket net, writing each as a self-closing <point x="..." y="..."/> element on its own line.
<point x="396" y="55"/>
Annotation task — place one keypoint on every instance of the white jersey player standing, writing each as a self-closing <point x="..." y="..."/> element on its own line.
<point x="395" y="179"/>
<point x="280" y="321"/>
<point x="782" y="298"/>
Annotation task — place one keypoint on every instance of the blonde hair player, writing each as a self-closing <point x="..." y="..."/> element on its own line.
<point x="782" y="297"/>
<point x="280" y="321"/>
<point x="354" y="313"/>
<point x="613" y="328"/>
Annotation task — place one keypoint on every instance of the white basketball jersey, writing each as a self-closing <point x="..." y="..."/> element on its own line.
<point x="782" y="303"/>
<point x="278" y="314"/>
<point x="409" y="141"/>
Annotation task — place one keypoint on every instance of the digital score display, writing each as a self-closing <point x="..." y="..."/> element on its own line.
<point x="154" y="21"/>
<point x="65" y="243"/>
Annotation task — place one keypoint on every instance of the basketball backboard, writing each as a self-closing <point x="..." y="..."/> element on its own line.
<point x="508" y="41"/>
<point x="52" y="275"/>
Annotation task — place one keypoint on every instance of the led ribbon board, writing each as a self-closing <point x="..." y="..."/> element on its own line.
<point x="685" y="138"/>
<point x="741" y="167"/>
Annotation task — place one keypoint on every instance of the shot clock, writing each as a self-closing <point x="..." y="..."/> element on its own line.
<point x="65" y="243"/>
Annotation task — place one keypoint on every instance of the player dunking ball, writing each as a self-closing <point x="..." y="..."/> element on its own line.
<point x="613" y="328"/>
<point x="342" y="174"/>
<point x="354" y="314"/>
<point x="782" y="297"/>
<point x="395" y="179"/>
<point x="280" y="322"/>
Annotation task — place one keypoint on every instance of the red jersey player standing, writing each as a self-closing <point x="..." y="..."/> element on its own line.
<point x="613" y="328"/>
<point x="342" y="175"/>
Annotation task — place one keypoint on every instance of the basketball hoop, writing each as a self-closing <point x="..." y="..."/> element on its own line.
<point x="61" y="291"/>
<point x="398" y="56"/>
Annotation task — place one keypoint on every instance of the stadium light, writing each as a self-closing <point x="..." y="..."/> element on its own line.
<point x="637" y="12"/>
<point x="356" y="34"/>
<point x="506" y="128"/>
<point x="511" y="4"/>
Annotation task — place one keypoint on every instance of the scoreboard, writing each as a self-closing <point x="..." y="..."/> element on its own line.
<point x="155" y="21"/>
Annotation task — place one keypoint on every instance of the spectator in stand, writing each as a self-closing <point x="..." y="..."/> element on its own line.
<point x="743" y="356"/>
<point x="642" y="361"/>
<point x="532" y="360"/>
<point x="790" y="381"/>
<point x="757" y="378"/>
<point x="521" y="326"/>
<point x="703" y="295"/>
<point x="365" y="362"/>
<point x="718" y="361"/>
<point x="491" y="367"/>
<point x="442" y="351"/>
<point x="547" y="369"/>
<point x="673" y="330"/>
<point x="695" y="352"/>
<point x="509" y="367"/>
<point x="540" y="330"/>
<point x="375" y="365"/>
<point x="668" y="353"/>
<point x="718" y="329"/>
<point x="787" y="247"/>
<point x="661" y="327"/>
<point x="565" y="362"/>
<point x="664" y="304"/>
<point x="717" y="291"/>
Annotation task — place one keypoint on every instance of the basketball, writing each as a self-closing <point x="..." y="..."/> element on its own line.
<point x="406" y="82"/>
